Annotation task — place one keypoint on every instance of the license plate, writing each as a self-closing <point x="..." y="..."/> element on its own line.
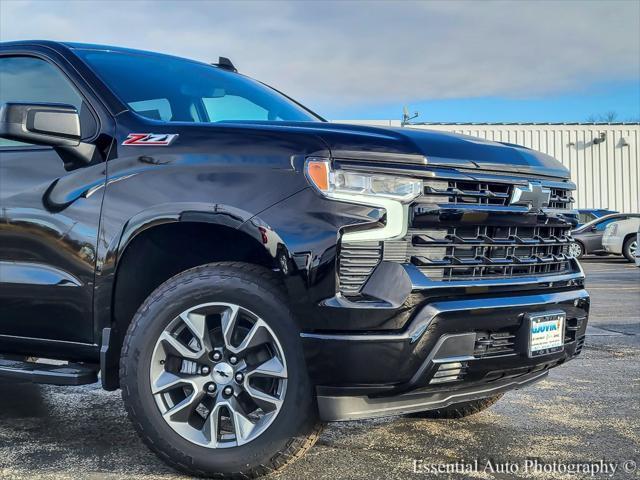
<point x="546" y="333"/>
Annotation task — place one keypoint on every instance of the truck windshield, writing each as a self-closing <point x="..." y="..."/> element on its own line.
<point x="172" y="89"/>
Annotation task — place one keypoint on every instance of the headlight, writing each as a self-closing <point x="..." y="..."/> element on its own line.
<point x="390" y="192"/>
<point x="337" y="183"/>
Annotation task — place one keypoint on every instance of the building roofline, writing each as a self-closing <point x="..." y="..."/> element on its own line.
<point x="481" y="124"/>
<point x="525" y="123"/>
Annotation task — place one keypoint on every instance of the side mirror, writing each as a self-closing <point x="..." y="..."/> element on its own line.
<point x="49" y="124"/>
<point x="593" y="228"/>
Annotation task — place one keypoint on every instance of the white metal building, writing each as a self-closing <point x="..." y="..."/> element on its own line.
<point x="604" y="158"/>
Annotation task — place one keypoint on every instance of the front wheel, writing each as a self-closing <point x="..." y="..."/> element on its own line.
<point x="213" y="375"/>
<point x="630" y="248"/>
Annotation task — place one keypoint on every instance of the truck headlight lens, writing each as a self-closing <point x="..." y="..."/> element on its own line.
<point x="389" y="192"/>
<point x="340" y="183"/>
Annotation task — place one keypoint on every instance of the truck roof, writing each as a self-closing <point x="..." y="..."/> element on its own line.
<point x="74" y="45"/>
<point x="66" y="46"/>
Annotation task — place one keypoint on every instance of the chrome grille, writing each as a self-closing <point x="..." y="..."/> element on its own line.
<point x="506" y="246"/>
<point x="356" y="263"/>
<point x="484" y="251"/>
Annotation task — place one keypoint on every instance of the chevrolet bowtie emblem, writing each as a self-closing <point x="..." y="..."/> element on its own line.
<point x="534" y="196"/>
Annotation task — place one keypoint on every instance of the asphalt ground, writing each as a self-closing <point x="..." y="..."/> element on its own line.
<point x="586" y="411"/>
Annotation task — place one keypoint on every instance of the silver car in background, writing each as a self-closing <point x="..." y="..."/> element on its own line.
<point x="638" y="249"/>
<point x="621" y="238"/>
<point x="587" y="239"/>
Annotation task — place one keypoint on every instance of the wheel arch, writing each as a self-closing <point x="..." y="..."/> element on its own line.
<point x="628" y="237"/>
<point x="156" y="245"/>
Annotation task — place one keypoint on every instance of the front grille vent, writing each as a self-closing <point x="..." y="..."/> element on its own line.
<point x="494" y="344"/>
<point x="573" y="326"/>
<point x="460" y="192"/>
<point x="476" y="252"/>
<point x="579" y="345"/>
<point x="356" y="263"/>
<point x="449" y="372"/>
<point x="485" y="193"/>
<point x="561" y="199"/>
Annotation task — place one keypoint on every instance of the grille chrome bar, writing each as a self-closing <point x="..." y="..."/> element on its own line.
<point x="464" y="192"/>
<point x="483" y="192"/>
<point x="420" y="281"/>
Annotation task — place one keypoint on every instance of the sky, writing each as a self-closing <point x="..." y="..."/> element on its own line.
<point x="451" y="61"/>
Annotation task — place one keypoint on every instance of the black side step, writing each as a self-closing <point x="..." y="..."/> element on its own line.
<point x="71" y="374"/>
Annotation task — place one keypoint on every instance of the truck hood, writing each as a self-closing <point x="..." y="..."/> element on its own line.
<point x="361" y="142"/>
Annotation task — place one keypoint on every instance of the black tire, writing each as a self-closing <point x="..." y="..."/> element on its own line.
<point x="626" y="248"/>
<point x="295" y="429"/>
<point x="458" y="410"/>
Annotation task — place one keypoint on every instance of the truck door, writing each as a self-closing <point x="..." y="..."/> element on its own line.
<point x="49" y="215"/>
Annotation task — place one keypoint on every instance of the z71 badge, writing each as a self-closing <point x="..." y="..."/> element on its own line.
<point x="150" y="139"/>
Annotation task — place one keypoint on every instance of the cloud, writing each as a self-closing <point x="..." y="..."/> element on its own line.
<point x="360" y="53"/>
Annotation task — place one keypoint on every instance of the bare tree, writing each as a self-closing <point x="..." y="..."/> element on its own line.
<point x="609" y="117"/>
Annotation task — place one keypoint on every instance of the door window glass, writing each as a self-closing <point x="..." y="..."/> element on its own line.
<point x="5" y="142"/>
<point x="33" y="80"/>
<point x="602" y="225"/>
<point x="585" y="217"/>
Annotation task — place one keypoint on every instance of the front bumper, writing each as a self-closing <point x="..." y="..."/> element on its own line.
<point x="334" y="409"/>
<point x="451" y="350"/>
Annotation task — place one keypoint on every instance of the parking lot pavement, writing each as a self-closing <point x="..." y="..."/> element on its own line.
<point x="587" y="410"/>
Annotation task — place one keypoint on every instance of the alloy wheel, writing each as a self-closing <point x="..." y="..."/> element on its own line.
<point x="575" y="249"/>
<point x="218" y="375"/>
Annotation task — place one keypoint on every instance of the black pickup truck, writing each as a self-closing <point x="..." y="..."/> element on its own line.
<point x="244" y="271"/>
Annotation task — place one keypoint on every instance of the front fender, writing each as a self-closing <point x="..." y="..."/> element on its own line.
<point x="112" y="252"/>
<point x="304" y="232"/>
<point x="223" y="215"/>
